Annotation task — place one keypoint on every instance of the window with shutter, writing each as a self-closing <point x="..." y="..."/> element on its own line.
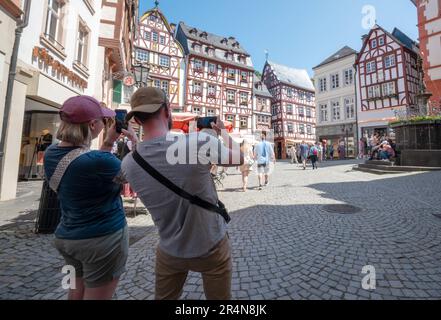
<point x="117" y="91"/>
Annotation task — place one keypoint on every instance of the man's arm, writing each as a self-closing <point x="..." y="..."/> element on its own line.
<point x="235" y="155"/>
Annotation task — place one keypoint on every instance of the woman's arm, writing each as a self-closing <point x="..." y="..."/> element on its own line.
<point x="110" y="138"/>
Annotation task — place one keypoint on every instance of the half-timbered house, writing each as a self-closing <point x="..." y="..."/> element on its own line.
<point x="155" y="46"/>
<point x="219" y="77"/>
<point x="429" y="26"/>
<point x="292" y="107"/>
<point x="388" y="79"/>
<point x="261" y="105"/>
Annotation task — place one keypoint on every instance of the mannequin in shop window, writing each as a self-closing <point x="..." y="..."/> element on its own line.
<point x="44" y="141"/>
<point x="27" y="160"/>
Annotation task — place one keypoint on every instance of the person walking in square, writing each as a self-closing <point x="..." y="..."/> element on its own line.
<point x="304" y="153"/>
<point x="247" y="166"/>
<point x="313" y="155"/>
<point x="293" y="151"/>
<point x="331" y="151"/>
<point x="263" y="154"/>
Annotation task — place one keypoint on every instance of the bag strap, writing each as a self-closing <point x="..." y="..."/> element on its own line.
<point x="220" y="208"/>
<point x="62" y="166"/>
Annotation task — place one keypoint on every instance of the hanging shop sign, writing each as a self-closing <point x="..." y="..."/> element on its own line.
<point x="58" y="68"/>
<point x="129" y="80"/>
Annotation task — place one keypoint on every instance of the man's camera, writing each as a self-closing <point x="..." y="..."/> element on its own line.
<point x="120" y="120"/>
<point x="205" y="122"/>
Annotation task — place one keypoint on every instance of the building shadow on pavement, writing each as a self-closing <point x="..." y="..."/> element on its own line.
<point x="323" y="164"/>
<point x="298" y="250"/>
<point x="30" y="267"/>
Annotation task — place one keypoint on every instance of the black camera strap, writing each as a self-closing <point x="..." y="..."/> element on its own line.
<point x="219" y="208"/>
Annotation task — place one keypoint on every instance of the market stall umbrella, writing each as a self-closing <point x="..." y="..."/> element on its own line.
<point x="181" y="121"/>
<point x="229" y="126"/>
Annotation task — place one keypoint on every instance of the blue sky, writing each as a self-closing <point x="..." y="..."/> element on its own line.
<point x="296" y="33"/>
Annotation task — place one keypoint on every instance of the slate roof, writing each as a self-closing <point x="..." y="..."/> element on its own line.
<point x="260" y="90"/>
<point x="212" y="39"/>
<point x="295" y="77"/>
<point x="405" y="40"/>
<point x="340" y="54"/>
<point x="185" y="37"/>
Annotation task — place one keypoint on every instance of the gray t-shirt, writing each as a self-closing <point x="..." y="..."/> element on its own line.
<point x="185" y="230"/>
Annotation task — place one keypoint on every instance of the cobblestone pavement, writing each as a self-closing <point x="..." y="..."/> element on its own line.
<point x="285" y="245"/>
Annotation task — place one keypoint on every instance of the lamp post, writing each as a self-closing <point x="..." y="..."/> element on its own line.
<point x="141" y="73"/>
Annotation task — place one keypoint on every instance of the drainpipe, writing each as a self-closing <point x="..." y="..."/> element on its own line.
<point x="21" y="24"/>
<point x="357" y="138"/>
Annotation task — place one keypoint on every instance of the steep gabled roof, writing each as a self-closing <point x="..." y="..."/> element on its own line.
<point x="397" y="35"/>
<point x="340" y="54"/>
<point x="290" y="76"/>
<point x="188" y="36"/>
<point x="404" y="39"/>
<point x="260" y="88"/>
<point x="156" y="12"/>
<point x="229" y="44"/>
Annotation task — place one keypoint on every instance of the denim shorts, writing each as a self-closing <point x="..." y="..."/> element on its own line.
<point x="97" y="260"/>
<point x="263" y="168"/>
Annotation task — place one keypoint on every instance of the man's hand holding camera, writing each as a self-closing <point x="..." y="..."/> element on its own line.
<point x="112" y="135"/>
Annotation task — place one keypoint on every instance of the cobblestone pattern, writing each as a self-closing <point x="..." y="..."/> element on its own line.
<point x="285" y="246"/>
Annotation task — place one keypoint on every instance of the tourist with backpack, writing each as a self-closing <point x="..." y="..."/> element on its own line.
<point x="313" y="155"/>
<point x="304" y="150"/>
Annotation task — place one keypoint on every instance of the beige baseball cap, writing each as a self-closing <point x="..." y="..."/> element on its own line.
<point x="147" y="100"/>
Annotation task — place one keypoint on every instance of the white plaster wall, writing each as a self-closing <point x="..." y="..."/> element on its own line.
<point x="334" y="94"/>
<point x="7" y="28"/>
<point x="45" y="85"/>
<point x="432" y="9"/>
<point x="8" y="180"/>
<point x="75" y="10"/>
<point x="108" y="13"/>
<point x="107" y="31"/>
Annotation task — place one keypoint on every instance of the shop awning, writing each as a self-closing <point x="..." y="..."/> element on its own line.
<point x="182" y="120"/>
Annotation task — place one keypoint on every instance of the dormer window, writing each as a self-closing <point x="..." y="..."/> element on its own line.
<point x="210" y="51"/>
<point x="193" y="31"/>
<point x="224" y="41"/>
<point x="236" y="45"/>
<point x="204" y="35"/>
<point x="197" y="47"/>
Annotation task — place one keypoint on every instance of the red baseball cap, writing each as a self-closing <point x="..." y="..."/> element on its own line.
<point x="82" y="109"/>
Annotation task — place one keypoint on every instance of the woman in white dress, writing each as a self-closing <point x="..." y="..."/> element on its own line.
<point x="246" y="168"/>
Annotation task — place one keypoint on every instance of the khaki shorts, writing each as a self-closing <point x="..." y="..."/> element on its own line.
<point x="216" y="268"/>
<point x="97" y="260"/>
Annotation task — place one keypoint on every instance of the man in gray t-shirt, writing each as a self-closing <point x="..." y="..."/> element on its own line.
<point x="191" y="238"/>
